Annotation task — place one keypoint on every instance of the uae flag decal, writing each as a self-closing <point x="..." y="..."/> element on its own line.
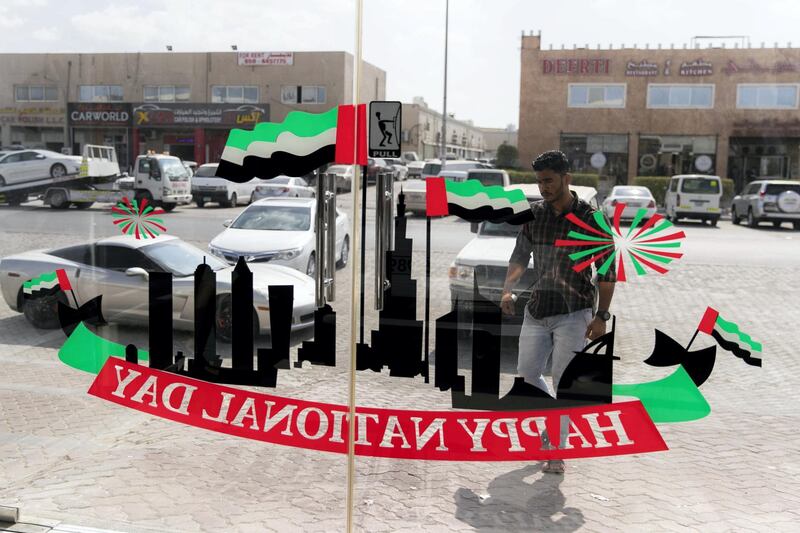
<point x="300" y="144"/>
<point x="475" y="202"/>
<point x="729" y="337"/>
<point x="46" y="284"/>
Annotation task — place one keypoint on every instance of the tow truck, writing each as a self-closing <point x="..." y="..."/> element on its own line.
<point x="161" y="179"/>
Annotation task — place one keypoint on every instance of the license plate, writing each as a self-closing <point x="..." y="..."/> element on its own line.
<point x="206" y="198"/>
<point x="713" y="208"/>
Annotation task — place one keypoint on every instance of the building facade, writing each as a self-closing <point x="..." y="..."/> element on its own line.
<point x="422" y="133"/>
<point x="182" y="103"/>
<point x="494" y="137"/>
<point x="630" y="112"/>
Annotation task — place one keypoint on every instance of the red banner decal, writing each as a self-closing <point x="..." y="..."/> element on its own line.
<point x="594" y="431"/>
<point x="345" y="134"/>
<point x="436" y="197"/>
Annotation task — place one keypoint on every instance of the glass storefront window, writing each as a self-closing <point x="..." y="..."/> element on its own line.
<point x="667" y="155"/>
<point x="603" y="155"/>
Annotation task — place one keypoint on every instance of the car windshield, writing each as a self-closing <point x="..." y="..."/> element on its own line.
<point x="777" y="188"/>
<point x="180" y="258"/>
<point x="700" y="186"/>
<point x="503" y="229"/>
<point x="630" y="191"/>
<point x="173" y="170"/>
<point x="487" y="178"/>
<point x="431" y="169"/>
<point x="281" y="180"/>
<point x="274" y="218"/>
<point x="206" y="171"/>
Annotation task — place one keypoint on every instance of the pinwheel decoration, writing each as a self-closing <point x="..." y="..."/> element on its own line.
<point x="139" y="220"/>
<point x="652" y="245"/>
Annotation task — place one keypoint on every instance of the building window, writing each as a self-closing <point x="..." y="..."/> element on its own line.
<point x="36" y="93"/>
<point x="303" y="94"/>
<point x="596" y="95"/>
<point x="234" y="94"/>
<point x="766" y="96"/>
<point x="612" y="161"/>
<point x="166" y="93"/>
<point x="667" y="155"/>
<point x="100" y="93"/>
<point x="665" y="96"/>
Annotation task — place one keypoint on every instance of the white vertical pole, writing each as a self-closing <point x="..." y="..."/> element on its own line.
<point x="444" y="106"/>
<point x="354" y="302"/>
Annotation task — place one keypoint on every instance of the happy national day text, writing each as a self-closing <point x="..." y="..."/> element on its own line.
<point x="611" y="429"/>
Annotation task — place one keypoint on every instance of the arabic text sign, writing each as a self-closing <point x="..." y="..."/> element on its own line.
<point x="251" y="59"/>
<point x="601" y="430"/>
<point x="146" y="115"/>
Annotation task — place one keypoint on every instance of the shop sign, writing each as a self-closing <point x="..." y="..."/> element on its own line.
<point x="752" y="67"/>
<point x="598" y="160"/>
<point x="773" y="126"/>
<point x="149" y="115"/>
<point x="698" y="67"/>
<point x="107" y="114"/>
<point x="34" y="116"/>
<point x="703" y="163"/>
<point x="642" y="68"/>
<point x="257" y="59"/>
<point x="576" y="66"/>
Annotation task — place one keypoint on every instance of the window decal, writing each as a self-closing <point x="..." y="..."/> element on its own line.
<point x="139" y="220"/>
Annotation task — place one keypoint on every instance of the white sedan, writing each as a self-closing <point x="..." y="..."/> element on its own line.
<point x="279" y="231"/>
<point x="31" y="165"/>
<point x="634" y="197"/>
<point x="118" y="269"/>
<point x="284" y="187"/>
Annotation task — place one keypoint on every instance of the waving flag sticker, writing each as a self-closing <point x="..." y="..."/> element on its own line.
<point x="475" y="202"/>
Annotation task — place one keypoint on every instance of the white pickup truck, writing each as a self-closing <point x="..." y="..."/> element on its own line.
<point x="207" y="187"/>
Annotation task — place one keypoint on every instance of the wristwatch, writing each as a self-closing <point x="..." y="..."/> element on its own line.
<point x="603" y="315"/>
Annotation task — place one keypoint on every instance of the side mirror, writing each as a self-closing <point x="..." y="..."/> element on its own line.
<point x="473" y="227"/>
<point x="137" y="271"/>
<point x="227" y="222"/>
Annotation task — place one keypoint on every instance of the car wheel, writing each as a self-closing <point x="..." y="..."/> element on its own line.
<point x="83" y="205"/>
<point x="342" y="262"/>
<point x="232" y="202"/>
<point x="168" y="207"/>
<point x="223" y="319"/>
<point x="140" y="196"/>
<point x="58" y="199"/>
<point x="311" y="268"/>
<point x="58" y="171"/>
<point x="734" y="217"/>
<point x="776" y="224"/>
<point x="42" y="312"/>
<point x="14" y="200"/>
<point x="751" y="220"/>
<point x="713" y="222"/>
<point x="796" y="226"/>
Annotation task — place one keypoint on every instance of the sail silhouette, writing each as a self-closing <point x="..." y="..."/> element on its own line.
<point x="668" y="352"/>
<point x="90" y="312"/>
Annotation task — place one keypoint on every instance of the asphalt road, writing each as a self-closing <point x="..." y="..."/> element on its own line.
<point x="724" y="245"/>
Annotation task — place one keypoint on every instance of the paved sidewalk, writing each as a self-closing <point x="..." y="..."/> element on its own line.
<point x="74" y="459"/>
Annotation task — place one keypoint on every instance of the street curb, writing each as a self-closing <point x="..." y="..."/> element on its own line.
<point x="9" y="514"/>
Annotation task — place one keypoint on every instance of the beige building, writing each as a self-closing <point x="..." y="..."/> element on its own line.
<point x="494" y="137"/>
<point x="422" y="133"/>
<point x="184" y="103"/>
<point x="633" y="111"/>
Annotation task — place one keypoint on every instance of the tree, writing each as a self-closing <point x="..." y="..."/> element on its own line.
<point x="507" y="156"/>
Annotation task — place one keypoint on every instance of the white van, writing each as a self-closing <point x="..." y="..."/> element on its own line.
<point x="206" y="187"/>
<point x="695" y="196"/>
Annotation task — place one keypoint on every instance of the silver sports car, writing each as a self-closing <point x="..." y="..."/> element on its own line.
<point x="117" y="268"/>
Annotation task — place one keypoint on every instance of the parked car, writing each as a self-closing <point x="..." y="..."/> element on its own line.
<point x="283" y="187"/>
<point x="414" y="169"/>
<point x="485" y="258"/>
<point x="344" y="176"/>
<point x="375" y="166"/>
<point x="279" y="231"/>
<point x="117" y="268"/>
<point x="415" y="190"/>
<point x="765" y="200"/>
<point x="399" y="168"/>
<point x="487" y="176"/>
<point x="207" y="188"/>
<point x="409" y="156"/>
<point x="434" y="166"/>
<point x="30" y="165"/>
<point x="634" y="197"/>
<point x="695" y="196"/>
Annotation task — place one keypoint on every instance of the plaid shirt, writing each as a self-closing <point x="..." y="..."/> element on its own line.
<point x="558" y="288"/>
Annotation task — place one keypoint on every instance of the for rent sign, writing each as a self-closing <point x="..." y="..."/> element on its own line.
<point x="609" y="429"/>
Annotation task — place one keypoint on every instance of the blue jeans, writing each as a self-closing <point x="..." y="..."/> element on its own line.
<point x="559" y="335"/>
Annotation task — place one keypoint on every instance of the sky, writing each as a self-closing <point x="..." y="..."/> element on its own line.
<point x="403" y="37"/>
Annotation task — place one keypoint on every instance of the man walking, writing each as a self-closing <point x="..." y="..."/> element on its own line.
<point x="559" y="316"/>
